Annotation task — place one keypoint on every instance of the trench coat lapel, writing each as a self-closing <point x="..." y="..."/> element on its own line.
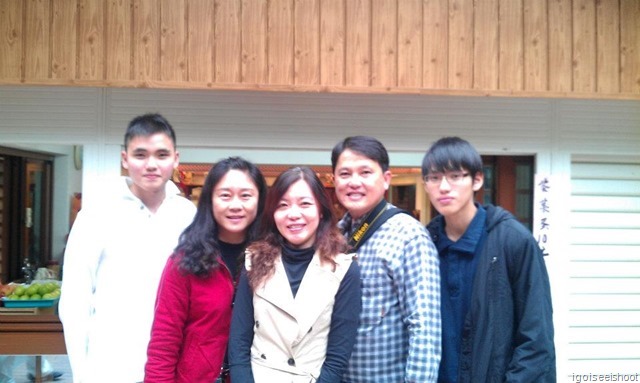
<point x="319" y="286"/>
<point x="278" y="291"/>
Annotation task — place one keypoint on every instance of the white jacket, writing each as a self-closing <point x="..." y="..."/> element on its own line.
<point x="112" y="266"/>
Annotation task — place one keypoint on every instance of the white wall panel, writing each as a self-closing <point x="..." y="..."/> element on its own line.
<point x="595" y="187"/>
<point x="624" y="220"/>
<point x="50" y="115"/>
<point x="280" y="120"/>
<point x="317" y="121"/>
<point x="600" y="169"/>
<point x="615" y="251"/>
<point x="602" y="284"/>
<point x="600" y="319"/>
<point x="588" y="126"/>
<point x="604" y="269"/>
<point x="598" y="350"/>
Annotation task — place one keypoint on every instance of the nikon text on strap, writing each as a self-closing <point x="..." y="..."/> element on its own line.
<point x="373" y="221"/>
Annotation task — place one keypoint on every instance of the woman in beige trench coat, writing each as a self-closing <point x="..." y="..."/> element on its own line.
<point x="298" y="301"/>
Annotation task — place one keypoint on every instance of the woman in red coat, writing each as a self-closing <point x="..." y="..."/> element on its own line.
<point x="193" y="307"/>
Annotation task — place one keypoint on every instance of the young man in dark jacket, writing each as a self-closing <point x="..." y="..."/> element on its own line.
<point x="497" y="323"/>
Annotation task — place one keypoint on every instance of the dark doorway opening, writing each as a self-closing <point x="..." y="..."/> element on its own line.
<point x="25" y="211"/>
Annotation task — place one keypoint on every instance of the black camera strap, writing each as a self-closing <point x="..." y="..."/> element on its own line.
<point x="371" y="223"/>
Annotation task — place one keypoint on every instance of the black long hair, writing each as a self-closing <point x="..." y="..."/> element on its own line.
<point x="198" y="247"/>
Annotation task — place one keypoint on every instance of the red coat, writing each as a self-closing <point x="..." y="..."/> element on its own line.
<point x="191" y="326"/>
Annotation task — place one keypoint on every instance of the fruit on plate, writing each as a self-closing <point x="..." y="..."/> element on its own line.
<point x="35" y="291"/>
<point x="6" y="290"/>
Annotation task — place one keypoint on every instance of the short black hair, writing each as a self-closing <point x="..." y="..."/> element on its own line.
<point x="451" y="154"/>
<point x="147" y="125"/>
<point x="365" y="145"/>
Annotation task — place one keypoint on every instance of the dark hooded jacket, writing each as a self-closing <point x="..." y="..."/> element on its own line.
<point x="508" y="331"/>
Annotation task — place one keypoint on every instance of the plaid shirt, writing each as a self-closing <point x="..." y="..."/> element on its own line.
<point x="399" y="333"/>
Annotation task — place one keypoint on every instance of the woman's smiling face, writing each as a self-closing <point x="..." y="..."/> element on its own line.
<point x="235" y="205"/>
<point x="297" y="216"/>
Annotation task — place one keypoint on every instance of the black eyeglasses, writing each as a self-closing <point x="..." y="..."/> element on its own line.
<point x="453" y="178"/>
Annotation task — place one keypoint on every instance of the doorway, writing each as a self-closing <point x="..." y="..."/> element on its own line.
<point x="25" y="211"/>
<point x="508" y="182"/>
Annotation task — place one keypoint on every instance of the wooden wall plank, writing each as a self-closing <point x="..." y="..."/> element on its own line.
<point x="146" y="40"/>
<point x="254" y="42"/>
<point x="118" y="33"/>
<point x="91" y="40"/>
<point x="63" y="39"/>
<point x="485" y="45"/>
<point x="560" y="46"/>
<point x="307" y="42"/>
<point x="583" y="48"/>
<point x="536" y="45"/>
<point x="461" y="44"/>
<point x="511" y="75"/>
<point x="11" y="30"/>
<point x="36" y="45"/>
<point x="608" y="46"/>
<point x="384" y="43"/>
<point x="630" y="46"/>
<point x="200" y="36"/>
<point x="584" y="45"/>
<point x="358" y="43"/>
<point x="280" y="41"/>
<point x="332" y="42"/>
<point x="435" y="44"/>
<point x="173" y="40"/>
<point x="410" y="43"/>
<point x="228" y="39"/>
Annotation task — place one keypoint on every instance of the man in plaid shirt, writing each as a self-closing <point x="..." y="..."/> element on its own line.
<point x="399" y="334"/>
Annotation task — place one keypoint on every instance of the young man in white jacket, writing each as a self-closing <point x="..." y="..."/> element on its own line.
<point x="115" y="255"/>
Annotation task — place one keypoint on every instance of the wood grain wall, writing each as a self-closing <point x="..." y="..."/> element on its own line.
<point x="555" y="48"/>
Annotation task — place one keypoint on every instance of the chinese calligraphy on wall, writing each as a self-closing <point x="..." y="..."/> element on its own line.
<point x="542" y="205"/>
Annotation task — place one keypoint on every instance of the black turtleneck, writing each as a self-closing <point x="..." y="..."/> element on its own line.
<point x="295" y="262"/>
<point x="230" y="253"/>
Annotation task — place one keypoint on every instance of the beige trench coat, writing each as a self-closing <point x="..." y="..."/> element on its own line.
<point x="290" y="334"/>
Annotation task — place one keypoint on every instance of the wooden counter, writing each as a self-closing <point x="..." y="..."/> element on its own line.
<point x="31" y="334"/>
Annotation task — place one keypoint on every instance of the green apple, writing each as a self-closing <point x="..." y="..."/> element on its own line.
<point x="45" y="289"/>
<point x="20" y="290"/>
<point x="52" y="285"/>
<point x="33" y="289"/>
